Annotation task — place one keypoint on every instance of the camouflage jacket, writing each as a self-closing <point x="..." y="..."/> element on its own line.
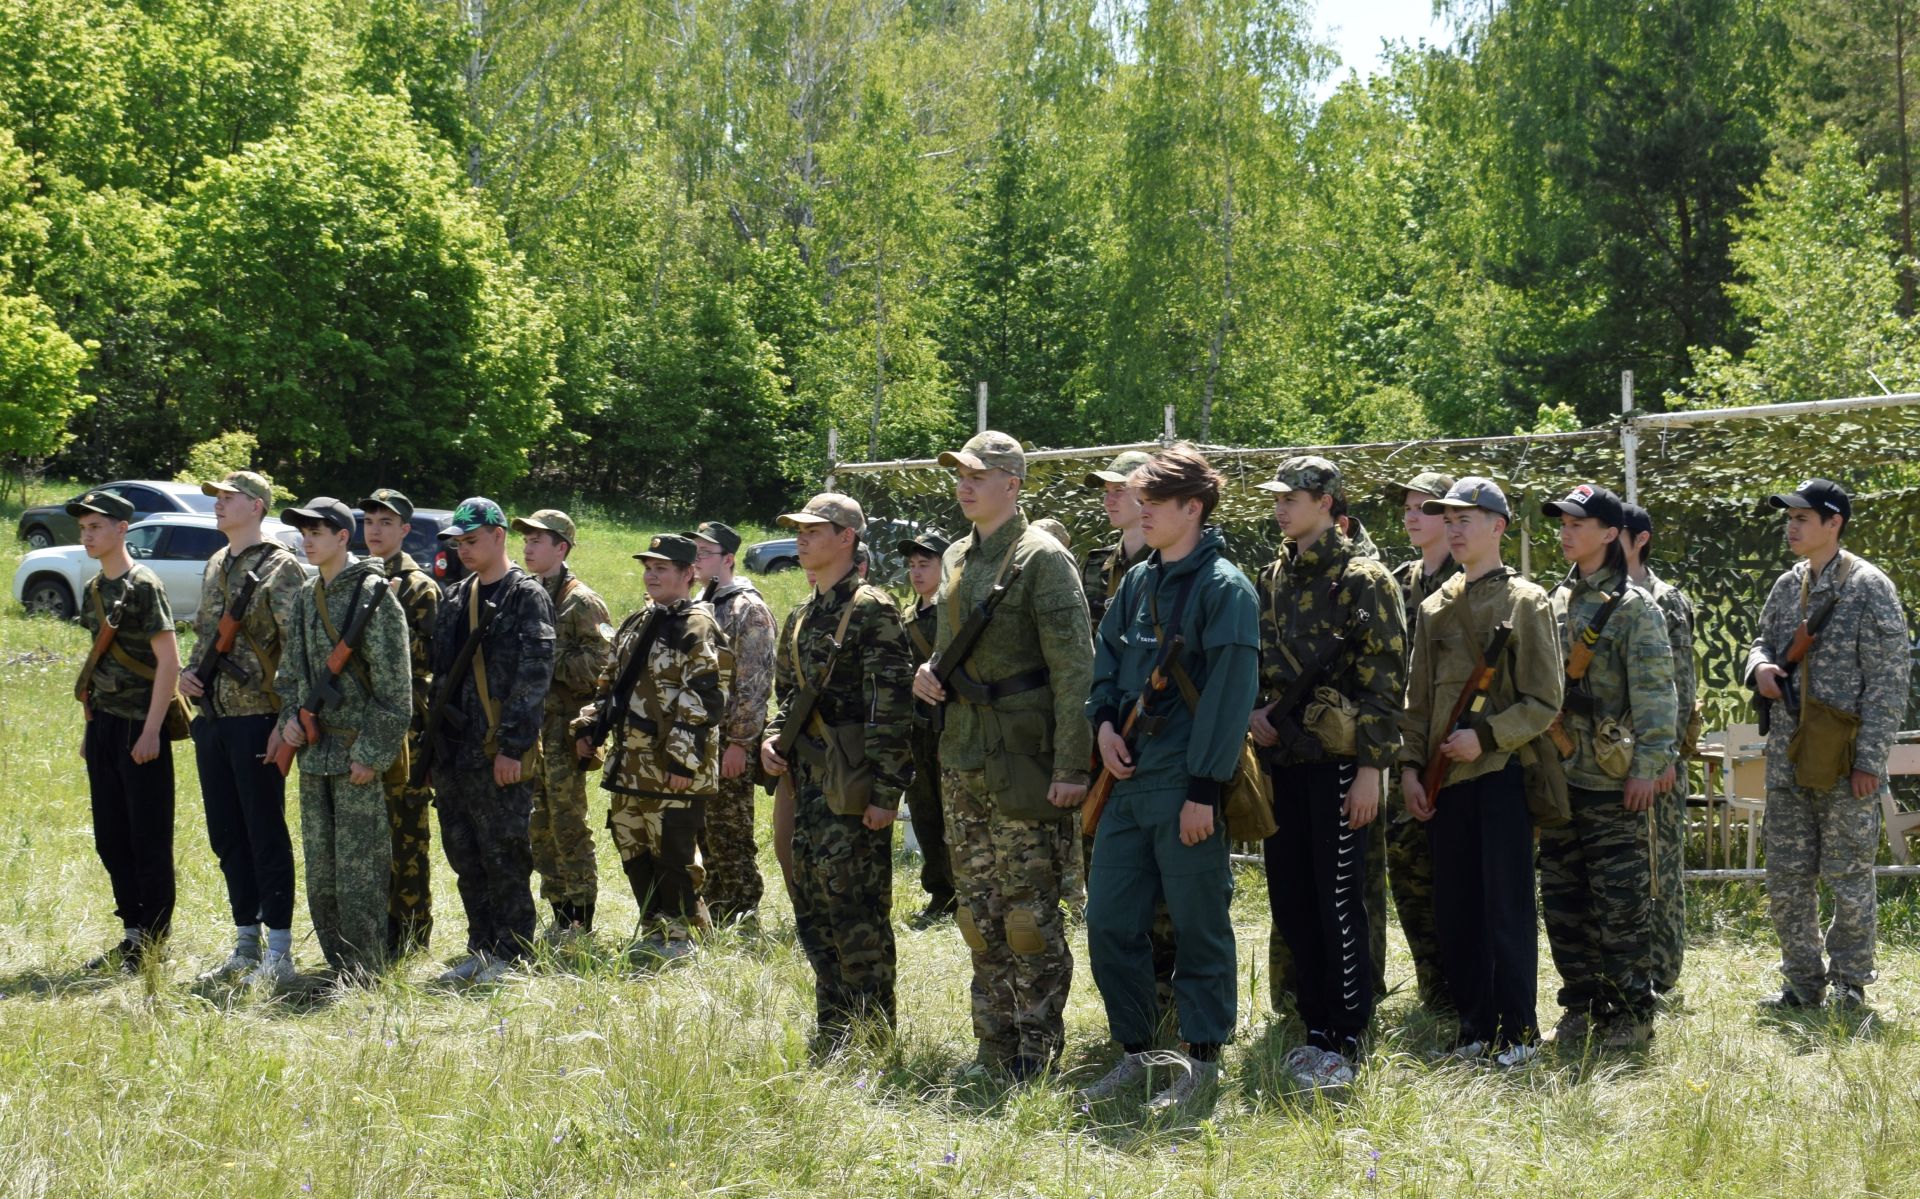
<point x="1630" y="680"/>
<point x="748" y="624"/>
<point x="116" y="688"/>
<point x="871" y="683"/>
<point x="256" y="651"/>
<point x="1677" y="610"/>
<point x="1363" y="546"/>
<point x="1041" y="624"/>
<point x="1448" y="639"/>
<point x="369" y="724"/>
<point x="1310" y="596"/>
<point x="922" y="624"/>
<point x="518" y="652"/>
<point x="1102" y="572"/>
<point x="1416" y="585"/>
<point x="675" y="713"/>
<point x="582" y="642"/>
<point x="1220" y="628"/>
<point x="1859" y="664"/>
<point x="419" y="597"/>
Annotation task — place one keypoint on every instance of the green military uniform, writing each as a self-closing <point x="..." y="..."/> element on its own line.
<point x="846" y="645"/>
<point x="1669" y="911"/>
<point x="668" y="724"/>
<point x="410" y="808"/>
<point x="1596" y="871"/>
<point x="1409" y="857"/>
<point x="1015" y="724"/>
<point x="1326" y="604"/>
<point x="582" y="644"/>
<point x="924" y="805"/>
<point x="1860" y="666"/>
<point x="344" y="825"/>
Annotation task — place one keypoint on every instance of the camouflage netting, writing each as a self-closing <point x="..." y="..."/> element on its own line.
<point x="1706" y="486"/>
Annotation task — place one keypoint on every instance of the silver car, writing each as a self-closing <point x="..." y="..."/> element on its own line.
<point x="174" y="545"/>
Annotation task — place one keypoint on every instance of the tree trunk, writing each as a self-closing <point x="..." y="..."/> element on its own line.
<point x="1216" y="347"/>
<point x="1906" y="161"/>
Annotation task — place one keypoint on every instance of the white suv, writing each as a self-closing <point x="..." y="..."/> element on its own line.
<point x="174" y="545"/>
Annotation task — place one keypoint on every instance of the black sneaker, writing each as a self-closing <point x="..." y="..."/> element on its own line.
<point x="1788" y="1000"/>
<point x="124" y="957"/>
<point x="1025" y="1067"/>
<point x="933" y="914"/>
<point x="1849" y="997"/>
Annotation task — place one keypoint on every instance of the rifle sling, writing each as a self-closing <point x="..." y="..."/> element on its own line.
<point x="354" y="660"/>
<point x="807" y="703"/>
<point x="479" y="668"/>
<point x="959" y="664"/>
<point x="1842" y="571"/>
<point x="103" y="641"/>
<point x="238" y="565"/>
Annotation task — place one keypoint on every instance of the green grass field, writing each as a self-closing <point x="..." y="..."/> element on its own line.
<point x="696" y="1081"/>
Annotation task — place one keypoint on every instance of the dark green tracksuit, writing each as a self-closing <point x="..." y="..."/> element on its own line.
<point x="1186" y="756"/>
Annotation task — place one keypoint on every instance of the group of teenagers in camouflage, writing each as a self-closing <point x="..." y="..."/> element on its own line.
<point x="1065" y="734"/>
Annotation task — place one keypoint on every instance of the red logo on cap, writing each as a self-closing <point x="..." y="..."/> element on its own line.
<point x="1584" y="491"/>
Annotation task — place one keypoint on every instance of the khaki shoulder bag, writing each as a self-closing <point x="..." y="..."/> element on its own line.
<point x="1824" y="742"/>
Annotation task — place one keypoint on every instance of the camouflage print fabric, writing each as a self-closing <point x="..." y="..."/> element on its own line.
<point x="1629" y="680"/>
<point x="364" y="727"/>
<point x="563" y="853"/>
<point x="1407" y="853"/>
<point x="1363" y="546"/>
<point x="484" y="830"/>
<point x="1008" y="876"/>
<point x="1669" y="915"/>
<point x="656" y="838"/>
<point x="562" y="839"/>
<point x="256" y="651"/>
<point x="409" y="815"/>
<point x="842" y="914"/>
<point x="343" y="827"/>
<point x="115" y="689"/>
<point x="1307" y="597"/>
<point x="1860" y="664"/>
<point x="1595" y="879"/>
<point x="1101" y="573"/>
<point x="734" y="885"/>
<point x="923" y="794"/>
<point x="673" y="713"/>
<point x="518" y="654"/>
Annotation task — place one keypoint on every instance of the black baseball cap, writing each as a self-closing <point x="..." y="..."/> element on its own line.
<point x="1824" y="496"/>
<point x="320" y="510"/>
<point x="100" y="503"/>
<point x="676" y="548"/>
<point x="1585" y="501"/>
<point x="930" y="541"/>
<point x="1636" y="520"/>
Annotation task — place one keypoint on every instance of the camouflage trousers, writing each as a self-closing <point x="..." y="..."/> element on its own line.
<point x="1595" y="884"/>
<point x="1007" y="874"/>
<point x="484" y="830"/>
<point x="1668" y="916"/>
<point x="562" y="839"/>
<point x="659" y="845"/>
<point x="1409" y="862"/>
<point x="1282" y="985"/>
<point x="727" y="849"/>
<point x="1815" y="835"/>
<point x="843" y="913"/>
<point x="349" y="852"/>
<point x="410" y="881"/>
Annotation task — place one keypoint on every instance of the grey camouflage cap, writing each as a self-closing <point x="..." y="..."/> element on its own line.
<point x="990" y="450"/>
<point x="1306" y="472"/>
<point x="1118" y="470"/>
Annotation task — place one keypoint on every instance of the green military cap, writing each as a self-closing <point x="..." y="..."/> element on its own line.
<point x="100" y="503"/>
<point x="244" y="482"/>
<point x="829" y="508"/>
<point x="1305" y="472"/>
<point x="1118" y="470"/>
<point x="475" y="512"/>
<point x="989" y="451"/>
<point x="391" y="500"/>
<point x="1056" y="530"/>
<point x="1474" y="491"/>
<point x="929" y="541"/>
<point x="719" y="533"/>
<point x="548" y="520"/>
<point x="670" y="547"/>
<point x="1427" y="482"/>
<point x="320" y="510"/>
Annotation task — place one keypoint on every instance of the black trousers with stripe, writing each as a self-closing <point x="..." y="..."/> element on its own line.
<point x="1316" y="884"/>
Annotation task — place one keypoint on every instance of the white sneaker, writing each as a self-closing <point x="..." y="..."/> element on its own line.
<point x="1191" y="1081"/>
<point x="1472" y="1051"/>
<point x="1126" y="1073"/>
<point x="1332" y="1072"/>
<point x="1516" y="1055"/>
<point x="274" y="971"/>
<point x="237" y="966"/>
<point x="463" y="970"/>
<point x="1301" y="1061"/>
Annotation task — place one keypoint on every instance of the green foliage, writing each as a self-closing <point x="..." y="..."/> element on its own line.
<point x="218" y="457"/>
<point x="39" y="379"/>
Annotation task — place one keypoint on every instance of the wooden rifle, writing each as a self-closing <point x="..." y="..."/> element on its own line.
<point x="1805" y="636"/>
<point x="1471" y="703"/>
<point x="327" y="690"/>
<point x="440" y="711"/>
<point x="1102" y="789"/>
<point x="213" y="659"/>
<point x="102" y="643"/>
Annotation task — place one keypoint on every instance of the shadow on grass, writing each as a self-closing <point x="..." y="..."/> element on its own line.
<point x="1814" y="1030"/>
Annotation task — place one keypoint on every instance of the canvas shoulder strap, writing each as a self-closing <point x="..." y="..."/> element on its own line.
<point x="480" y="670"/>
<point x="359" y="664"/>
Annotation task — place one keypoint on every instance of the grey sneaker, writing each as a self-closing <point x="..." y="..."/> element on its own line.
<point x="237" y="966"/>
<point x="1333" y="1072"/>
<point x="1301" y="1062"/>
<point x="1470" y="1051"/>
<point x="1192" y="1081"/>
<point x="492" y="971"/>
<point x="464" y="970"/>
<point x="274" y="972"/>
<point x="1127" y="1073"/>
<point x="1516" y="1055"/>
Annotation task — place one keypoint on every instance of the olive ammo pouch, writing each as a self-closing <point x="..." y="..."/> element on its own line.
<point x="1334" y="720"/>
<point x="1823" y="745"/>
<point x="1019" y="762"/>
<point x="1613" y="747"/>
<point x="835" y="755"/>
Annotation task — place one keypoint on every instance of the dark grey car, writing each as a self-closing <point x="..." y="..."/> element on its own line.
<point x="49" y="524"/>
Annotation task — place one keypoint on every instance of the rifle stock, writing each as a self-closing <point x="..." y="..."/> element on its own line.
<point x="1102" y="789"/>
<point x="1472" y="700"/>
<point x="213" y="655"/>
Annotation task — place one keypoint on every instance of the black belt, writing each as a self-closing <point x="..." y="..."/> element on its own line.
<point x="987" y="694"/>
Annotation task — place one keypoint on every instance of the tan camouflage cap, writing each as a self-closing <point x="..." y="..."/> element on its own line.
<point x="1055" y="529"/>
<point x="829" y="508"/>
<point x="1427" y="482"/>
<point x="1306" y="472"/>
<point x="244" y="482"/>
<point x="989" y="451"/>
<point x="548" y="520"/>
<point x="1118" y="470"/>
